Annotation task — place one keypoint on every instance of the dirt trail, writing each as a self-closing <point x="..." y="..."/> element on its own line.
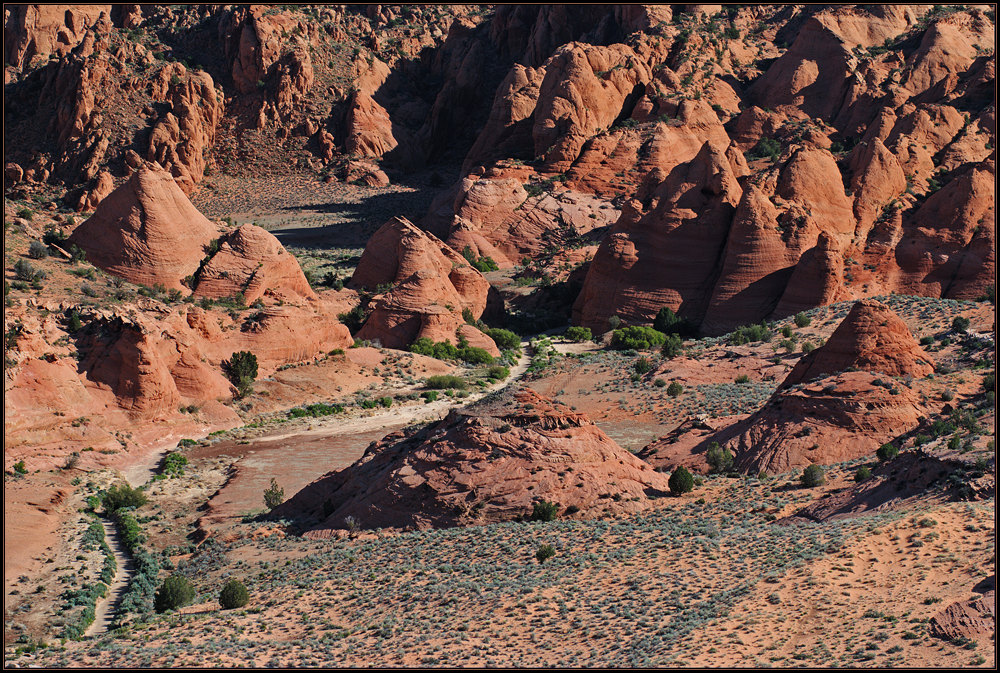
<point x="107" y="607"/>
<point x="401" y="416"/>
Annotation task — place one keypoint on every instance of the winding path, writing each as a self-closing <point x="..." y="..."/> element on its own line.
<point x="107" y="606"/>
<point x="141" y="472"/>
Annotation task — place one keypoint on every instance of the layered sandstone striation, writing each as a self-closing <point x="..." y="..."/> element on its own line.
<point x="147" y="232"/>
<point x="840" y="401"/>
<point x="488" y="463"/>
<point x="432" y="286"/>
<point x="871" y="338"/>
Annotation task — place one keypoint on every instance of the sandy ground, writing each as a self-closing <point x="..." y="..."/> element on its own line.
<point x="104" y="611"/>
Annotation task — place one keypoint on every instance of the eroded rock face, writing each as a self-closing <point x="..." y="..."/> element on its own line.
<point x="970" y="619"/>
<point x="146" y="231"/>
<point x="180" y="139"/>
<point x="494" y="215"/>
<point x="664" y="252"/>
<point x="432" y="286"/>
<point x="269" y="52"/>
<point x="871" y="338"/>
<point x="39" y="30"/>
<point x="485" y="464"/>
<point x="826" y="410"/>
<point x="891" y="485"/>
<point x="829" y="420"/>
<point x="252" y="261"/>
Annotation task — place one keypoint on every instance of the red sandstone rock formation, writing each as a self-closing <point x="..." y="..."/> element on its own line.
<point x="891" y="486"/>
<point x="369" y="128"/>
<point x="434" y="285"/>
<point x="970" y="619"/>
<point x="663" y="251"/>
<point x="252" y="261"/>
<point x="147" y="232"/>
<point x="832" y="419"/>
<point x="825" y="411"/>
<point x="179" y="140"/>
<point x="39" y="30"/>
<point x="495" y="217"/>
<point x="871" y="338"/>
<point x="484" y="464"/>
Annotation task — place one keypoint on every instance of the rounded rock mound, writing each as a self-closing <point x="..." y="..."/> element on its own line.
<point x="871" y="338"/>
<point x="147" y="232"/>
<point x="491" y="462"/>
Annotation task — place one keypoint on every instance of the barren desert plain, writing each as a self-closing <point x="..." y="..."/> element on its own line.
<point x="631" y="336"/>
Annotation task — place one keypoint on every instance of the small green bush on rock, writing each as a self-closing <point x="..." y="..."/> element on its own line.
<point x="637" y="338"/>
<point x="812" y="476"/>
<point x="233" y="595"/>
<point x="887" y="452"/>
<point x="544" y="511"/>
<point x="681" y="481"/>
<point x="579" y="334"/>
<point x="175" y="592"/>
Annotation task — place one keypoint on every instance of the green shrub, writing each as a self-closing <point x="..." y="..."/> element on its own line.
<point x="241" y="369"/>
<point x="474" y="355"/>
<point x="960" y="324"/>
<point x="862" y="474"/>
<point x="483" y="264"/>
<point x="766" y="147"/>
<point x="668" y="322"/>
<point x="23" y="270"/>
<point x="719" y="458"/>
<point x="807" y="347"/>
<point x="273" y="495"/>
<point x="578" y="334"/>
<point x="497" y="373"/>
<point x="175" y="592"/>
<point x="38" y="250"/>
<point x="812" y="476"/>
<point x="659" y="383"/>
<point x="442" y="350"/>
<point x="887" y="452"/>
<point x="681" y="481"/>
<point x="642" y="365"/>
<point x="743" y="378"/>
<point x="429" y="395"/>
<point x="129" y="529"/>
<point x="354" y="318"/>
<point x="637" y="338"/>
<point x="122" y="495"/>
<point x="445" y="382"/>
<point x="173" y="464"/>
<point x="544" y="511"/>
<point x="614" y="322"/>
<point x="545" y="552"/>
<point x="674" y="389"/>
<point x="315" y="410"/>
<point x="19" y="467"/>
<point x="802" y="320"/>
<point x="673" y="346"/>
<point x="234" y="595"/>
<point x="749" y="334"/>
<point x="503" y="338"/>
